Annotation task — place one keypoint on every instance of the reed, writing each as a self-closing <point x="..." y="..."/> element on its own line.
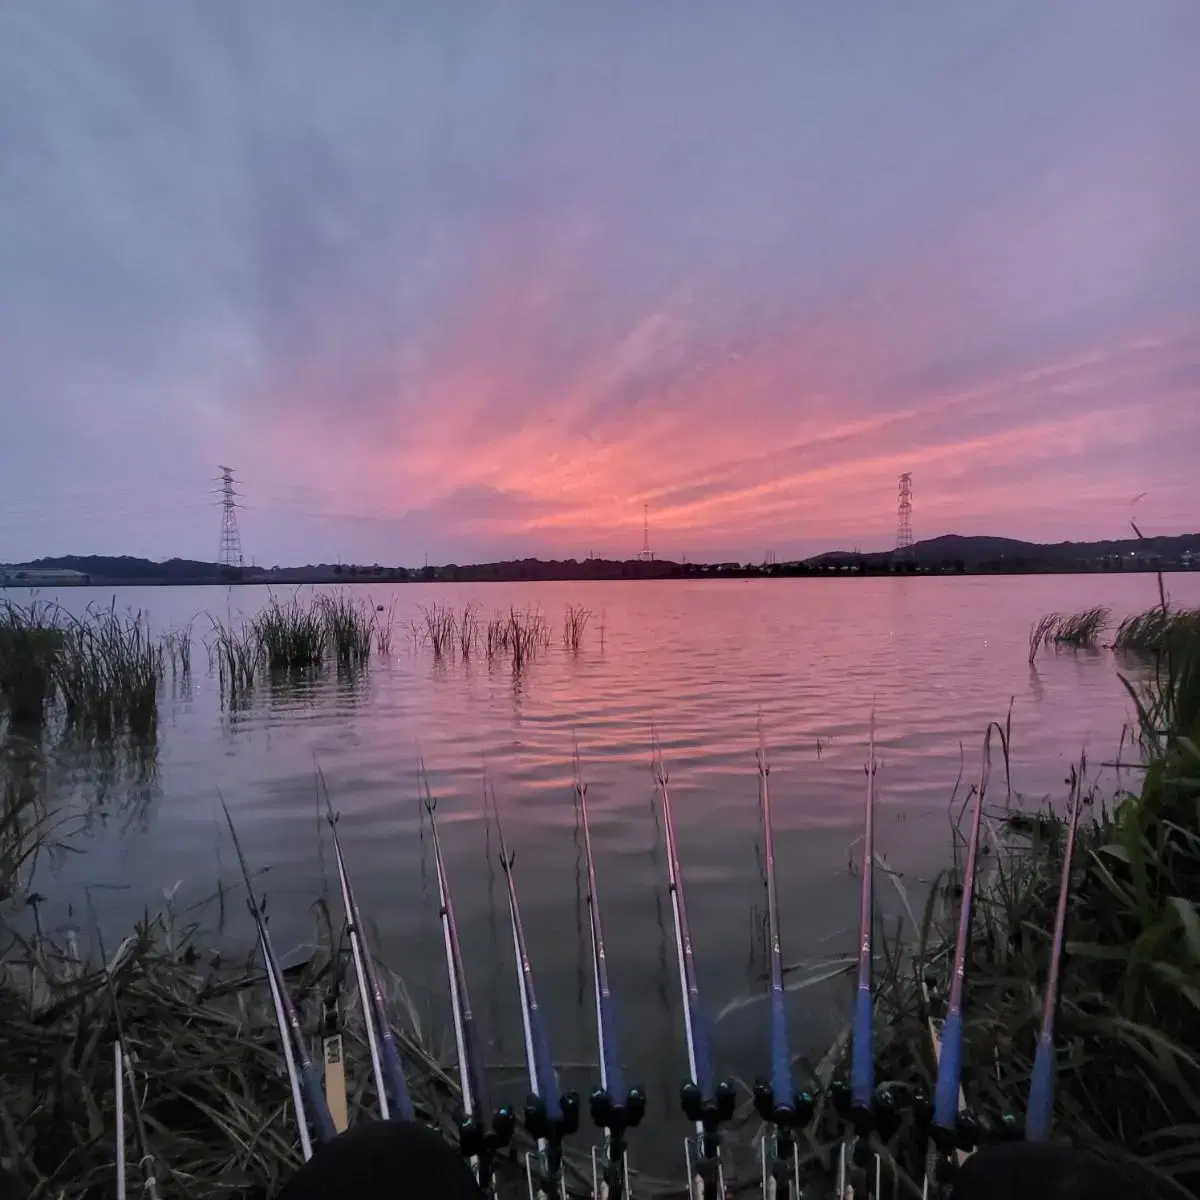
<point x="385" y="623"/>
<point x="1082" y="629"/>
<point x="574" y="624"/>
<point x="528" y="633"/>
<point x="468" y="632"/>
<point x="349" y="629"/>
<point x="1157" y="629"/>
<point x="292" y="635"/>
<point x="239" y="654"/>
<point x="440" y="626"/>
<point x="496" y="637"/>
<point x="108" y="674"/>
<point x="30" y="644"/>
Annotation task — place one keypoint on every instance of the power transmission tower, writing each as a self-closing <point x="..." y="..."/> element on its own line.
<point x="647" y="554"/>
<point x="904" y="518"/>
<point x="230" y="557"/>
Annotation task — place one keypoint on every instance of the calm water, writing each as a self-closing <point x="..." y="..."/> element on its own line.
<point x="697" y="662"/>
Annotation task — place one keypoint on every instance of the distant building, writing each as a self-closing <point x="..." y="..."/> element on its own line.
<point x="42" y="577"/>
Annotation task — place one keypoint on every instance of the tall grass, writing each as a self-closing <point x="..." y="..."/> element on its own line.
<point x="101" y="672"/>
<point x="1082" y="629"/>
<point x="1157" y="630"/>
<point x="574" y="624"/>
<point x="30" y="643"/>
<point x="1079" y="630"/>
<point x="440" y="625"/>
<point x="468" y="632"/>
<point x="292" y="635"/>
<point x="349" y="629"/>
<point x="239" y="655"/>
<point x="109" y="673"/>
<point x="385" y="621"/>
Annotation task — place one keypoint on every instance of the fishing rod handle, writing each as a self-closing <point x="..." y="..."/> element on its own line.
<point x="945" y="1095"/>
<point x="399" y="1099"/>
<point x="862" y="1053"/>
<point x="322" y="1118"/>
<point x="1040" y="1110"/>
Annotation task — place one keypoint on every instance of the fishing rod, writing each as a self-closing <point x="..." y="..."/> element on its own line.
<point x="549" y="1115"/>
<point x="306" y="1080"/>
<point x="123" y="1066"/>
<point x="1040" y="1111"/>
<point x="477" y="1140"/>
<point x="393" y="1093"/>
<point x="704" y="1102"/>
<point x="952" y="1136"/>
<point x="613" y="1109"/>
<point x="865" y="1111"/>
<point x="778" y="1103"/>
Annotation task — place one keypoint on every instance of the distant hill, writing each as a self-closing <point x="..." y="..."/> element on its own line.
<point x="949" y="554"/>
<point x="997" y="553"/>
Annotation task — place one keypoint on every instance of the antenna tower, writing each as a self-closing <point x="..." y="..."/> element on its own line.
<point x="904" y="518"/>
<point x="647" y="555"/>
<point x="231" y="540"/>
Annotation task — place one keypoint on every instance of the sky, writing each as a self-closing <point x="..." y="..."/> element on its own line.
<point x="478" y="281"/>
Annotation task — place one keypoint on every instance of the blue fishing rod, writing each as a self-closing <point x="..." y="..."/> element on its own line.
<point x="613" y="1109"/>
<point x="778" y="1103"/>
<point x="704" y="1101"/>
<point x="479" y="1138"/>
<point x="306" y="1081"/>
<point x="870" y="1114"/>
<point x="1039" y="1114"/>
<point x="953" y="1133"/>
<point x="550" y="1115"/>
<point x="394" y="1099"/>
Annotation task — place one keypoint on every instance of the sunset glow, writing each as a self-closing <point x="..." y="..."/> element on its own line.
<point x="482" y="285"/>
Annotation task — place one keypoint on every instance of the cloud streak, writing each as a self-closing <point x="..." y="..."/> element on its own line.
<point x="484" y="282"/>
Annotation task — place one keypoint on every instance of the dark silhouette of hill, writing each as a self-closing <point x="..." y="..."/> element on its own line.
<point x="948" y="554"/>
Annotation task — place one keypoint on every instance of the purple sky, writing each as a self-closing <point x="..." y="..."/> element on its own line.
<point x="481" y="280"/>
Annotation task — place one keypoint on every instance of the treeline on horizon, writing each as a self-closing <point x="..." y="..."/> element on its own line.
<point x="951" y="554"/>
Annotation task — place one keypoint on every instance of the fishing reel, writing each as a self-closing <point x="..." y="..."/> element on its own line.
<point x="880" y="1115"/>
<point x="542" y="1127"/>
<point x="783" y="1115"/>
<point x="709" y="1113"/>
<point x="703" y="1151"/>
<point x="539" y="1124"/>
<point x="478" y="1140"/>
<point x="780" y="1153"/>
<point x="875" y="1121"/>
<point x="616" y="1117"/>
<point x="610" y="1178"/>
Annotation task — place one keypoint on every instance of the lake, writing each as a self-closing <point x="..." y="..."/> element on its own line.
<point x="696" y="664"/>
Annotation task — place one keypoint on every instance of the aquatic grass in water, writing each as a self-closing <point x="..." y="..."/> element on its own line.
<point x="108" y="674"/>
<point x="239" y="655"/>
<point x="293" y="636"/>
<point x="385" y="620"/>
<point x="1157" y="629"/>
<point x="574" y="624"/>
<point x="30" y="643"/>
<point x="1082" y="629"/>
<point x="1078" y="630"/>
<point x="468" y="632"/>
<point x="349" y="628"/>
<point x="440" y="625"/>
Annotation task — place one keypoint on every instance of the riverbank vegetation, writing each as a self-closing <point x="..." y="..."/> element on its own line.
<point x="1128" y="1026"/>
